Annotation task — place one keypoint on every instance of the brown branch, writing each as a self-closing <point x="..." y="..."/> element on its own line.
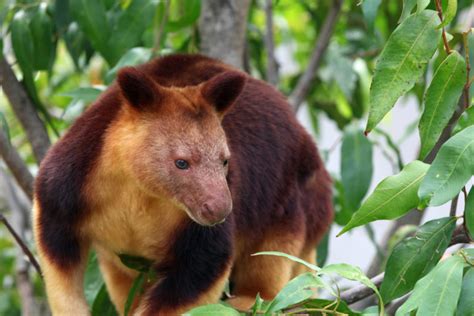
<point x="16" y="165"/>
<point x="24" y="110"/>
<point x="304" y="83"/>
<point x="439" y="8"/>
<point x="467" y="86"/>
<point x="272" y="65"/>
<point x="20" y="243"/>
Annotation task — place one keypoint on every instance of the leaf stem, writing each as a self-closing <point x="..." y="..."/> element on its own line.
<point x="439" y="8"/>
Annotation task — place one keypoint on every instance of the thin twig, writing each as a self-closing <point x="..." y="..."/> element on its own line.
<point x="272" y="65"/>
<point x="20" y="242"/>
<point x="24" y="110"/>
<point x="439" y="8"/>
<point x="16" y="165"/>
<point x="304" y="83"/>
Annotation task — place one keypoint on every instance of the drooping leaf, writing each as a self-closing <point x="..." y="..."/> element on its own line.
<point x="322" y="250"/>
<point x="402" y="62"/>
<point x="441" y="100"/>
<point x="436" y="293"/>
<point x="130" y="26"/>
<point x="92" y="19"/>
<point x="466" y="302"/>
<point x="442" y="296"/>
<point x="75" y="42"/>
<point x="135" y="56"/>
<point x="339" y="68"/>
<point x="356" y="167"/>
<point x="102" y="305"/>
<point x="290" y="257"/>
<point x="392" y="198"/>
<point x="353" y="273"/>
<point x="370" y="8"/>
<point x="297" y="290"/>
<point x="415" y="256"/>
<point x="450" y="171"/>
<point x="212" y="310"/>
<point x="22" y="42"/>
<point x="137" y="285"/>
<point x="449" y="13"/>
<point x="469" y="213"/>
<point x="257" y="306"/>
<point x="41" y="27"/>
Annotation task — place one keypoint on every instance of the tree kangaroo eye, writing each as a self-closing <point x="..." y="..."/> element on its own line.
<point x="181" y="164"/>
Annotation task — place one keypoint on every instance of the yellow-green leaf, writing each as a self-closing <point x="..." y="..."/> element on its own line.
<point x="441" y="100"/>
<point x="402" y="62"/>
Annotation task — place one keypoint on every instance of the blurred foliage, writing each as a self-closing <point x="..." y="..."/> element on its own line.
<point x="67" y="51"/>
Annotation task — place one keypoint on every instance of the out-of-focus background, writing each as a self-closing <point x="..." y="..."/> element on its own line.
<point x="58" y="55"/>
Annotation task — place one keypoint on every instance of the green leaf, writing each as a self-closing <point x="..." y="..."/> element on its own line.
<point x="370" y="8"/>
<point x="297" y="290"/>
<point x="134" y="56"/>
<point x="290" y="257"/>
<point x="75" y="42"/>
<point x="190" y="16"/>
<point x="421" y="5"/>
<point x="469" y="213"/>
<point x="137" y="287"/>
<point x="130" y="26"/>
<point x="415" y="256"/>
<point x="450" y="171"/>
<point x="88" y="94"/>
<point x="449" y="13"/>
<point x="257" y="306"/>
<point x="93" y="279"/>
<point x="350" y="272"/>
<point x="336" y="306"/>
<point x="356" y="167"/>
<point x="466" y="120"/>
<point x="41" y="27"/>
<point x="441" y="100"/>
<point x="392" y="198"/>
<point x="22" y="42"/>
<point x="442" y="296"/>
<point x="102" y="305"/>
<point x="323" y="250"/>
<point x="402" y="62"/>
<point x="466" y="301"/>
<point x="408" y="6"/>
<point x="212" y="310"/>
<point x="92" y="19"/>
<point x="136" y="263"/>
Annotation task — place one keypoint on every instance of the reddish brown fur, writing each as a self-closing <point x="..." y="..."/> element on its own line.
<point x="108" y="183"/>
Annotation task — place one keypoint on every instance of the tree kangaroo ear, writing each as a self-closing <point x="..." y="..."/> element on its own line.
<point x="138" y="88"/>
<point x="222" y="90"/>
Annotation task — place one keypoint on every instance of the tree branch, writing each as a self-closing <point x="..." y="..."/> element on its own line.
<point x="24" y="110"/>
<point x="304" y="83"/>
<point x="272" y="65"/>
<point x="16" y="165"/>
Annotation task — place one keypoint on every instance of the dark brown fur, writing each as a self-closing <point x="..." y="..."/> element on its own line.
<point x="280" y="189"/>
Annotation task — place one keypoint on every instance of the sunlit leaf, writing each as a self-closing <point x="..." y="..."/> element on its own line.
<point x="212" y="310"/>
<point x="441" y="100"/>
<point x="290" y="257"/>
<point x="450" y="171"/>
<point x="392" y="198"/>
<point x="402" y="62"/>
<point x="415" y="256"/>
